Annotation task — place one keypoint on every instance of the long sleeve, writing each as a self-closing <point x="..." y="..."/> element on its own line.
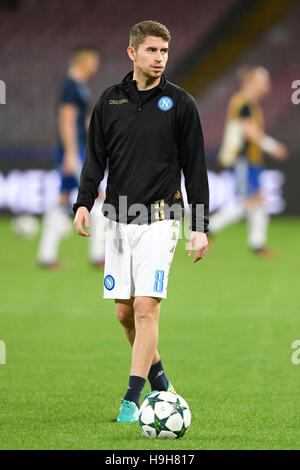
<point x="192" y="160"/>
<point x="94" y="163"/>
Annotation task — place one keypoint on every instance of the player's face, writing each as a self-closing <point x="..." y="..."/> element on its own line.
<point x="90" y="63"/>
<point x="151" y="56"/>
<point x="262" y="82"/>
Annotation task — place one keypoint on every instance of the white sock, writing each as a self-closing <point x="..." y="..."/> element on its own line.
<point x="258" y="221"/>
<point x="56" y="225"/>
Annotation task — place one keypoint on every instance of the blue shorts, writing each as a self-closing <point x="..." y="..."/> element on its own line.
<point x="68" y="183"/>
<point x="247" y="177"/>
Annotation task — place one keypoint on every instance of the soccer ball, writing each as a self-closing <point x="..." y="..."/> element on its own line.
<point x="164" y="415"/>
<point x="26" y="226"/>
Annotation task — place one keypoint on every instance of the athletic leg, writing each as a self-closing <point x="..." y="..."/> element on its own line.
<point x="227" y="215"/>
<point x="234" y="210"/>
<point x="149" y="277"/>
<point x="258" y="221"/>
<point x="125" y="314"/>
<point x="146" y="315"/>
<point x="56" y="225"/>
<point x="257" y="216"/>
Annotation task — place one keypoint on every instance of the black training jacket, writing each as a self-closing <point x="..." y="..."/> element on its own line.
<point x="146" y="147"/>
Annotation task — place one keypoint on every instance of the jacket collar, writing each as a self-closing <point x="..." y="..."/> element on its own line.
<point x="128" y="82"/>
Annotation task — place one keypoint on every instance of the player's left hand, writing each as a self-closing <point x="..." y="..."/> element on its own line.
<point x="199" y="243"/>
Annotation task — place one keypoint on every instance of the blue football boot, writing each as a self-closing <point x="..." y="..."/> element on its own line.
<point x="129" y="412"/>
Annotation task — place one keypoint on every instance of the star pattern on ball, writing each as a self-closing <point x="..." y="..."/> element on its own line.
<point x="161" y="418"/>
<point x="159" y="424"/>
<point x="180" y="433"/>
<point x="153" y="400"/>
<point x="179" y="408"/>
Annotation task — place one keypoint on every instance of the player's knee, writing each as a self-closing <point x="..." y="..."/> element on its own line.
<point x="146" y="308"/>
<point x="126" y="317"/>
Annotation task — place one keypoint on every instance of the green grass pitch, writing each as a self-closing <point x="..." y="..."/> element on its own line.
<point x="226" y="332"/>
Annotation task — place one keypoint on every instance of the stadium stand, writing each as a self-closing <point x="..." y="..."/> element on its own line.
<point x="38" y="36"/>
<point x="275" y="50"/>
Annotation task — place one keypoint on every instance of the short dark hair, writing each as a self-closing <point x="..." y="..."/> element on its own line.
<point x="82" y="49"/>
<point x="140" y="31"/>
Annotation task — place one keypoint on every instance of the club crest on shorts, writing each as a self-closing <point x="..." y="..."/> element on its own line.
<point x="109" y="282"/>
<point x="165" y="103"/>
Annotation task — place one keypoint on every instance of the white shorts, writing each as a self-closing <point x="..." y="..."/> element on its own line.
<point x="138" y="259"/>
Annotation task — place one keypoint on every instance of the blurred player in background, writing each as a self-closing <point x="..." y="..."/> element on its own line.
<point x="72" y="121"/>
<point x="242" y="150"/>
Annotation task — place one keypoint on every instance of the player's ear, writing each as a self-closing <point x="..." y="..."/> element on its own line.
<point x="131" y="53"/>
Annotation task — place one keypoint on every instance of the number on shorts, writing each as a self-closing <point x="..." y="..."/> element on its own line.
<point x="159" y="281"/>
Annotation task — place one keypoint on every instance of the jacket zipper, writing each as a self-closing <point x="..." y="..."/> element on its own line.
<point x="135" y="96"/>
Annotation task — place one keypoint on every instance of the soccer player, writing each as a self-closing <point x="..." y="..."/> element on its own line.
<point x="148" y="129"/>
<point x="242" y="150"/>
<point x="72" y="121"/>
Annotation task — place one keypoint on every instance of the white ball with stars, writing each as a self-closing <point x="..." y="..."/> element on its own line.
<point x="164" y="415"/>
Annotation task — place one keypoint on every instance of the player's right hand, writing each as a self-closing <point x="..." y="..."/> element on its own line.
<point x="280" y="152"/>
<point x="82" y="217"/>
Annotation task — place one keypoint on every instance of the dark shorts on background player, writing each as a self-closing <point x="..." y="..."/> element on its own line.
<point x="247" y="177"/>
<point x="68" y="183"/>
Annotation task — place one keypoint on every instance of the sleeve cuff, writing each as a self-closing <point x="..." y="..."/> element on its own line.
<point x="77" y="205"/>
